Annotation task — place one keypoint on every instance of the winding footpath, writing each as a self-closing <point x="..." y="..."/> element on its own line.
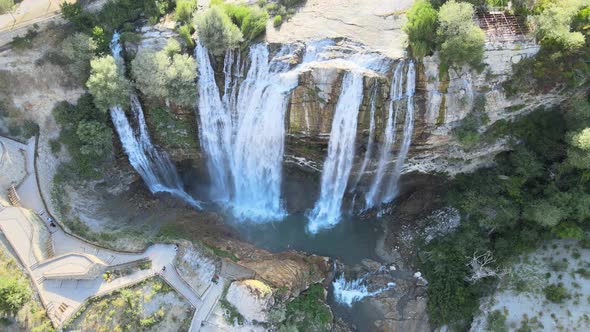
<point x="67" y="270"/>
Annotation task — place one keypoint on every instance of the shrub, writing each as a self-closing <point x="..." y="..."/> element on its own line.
<point x="462" y="42"/>
<point x="25" y="41"/>
<point x="254" y="24"/>
<point x="184" y="10"/>
<point x="290" y="3"/>
<point x="14" y="293"/>
<point x="73" y="12"/>
<point x="96" y="138"/>
<point x="186" y="36"/>
<point x="496" y="322"/>
<point x="556" y="293"/>
<point x="6" y="6"/>
<point x="308" y="312"/>
<point x="277" y="21"/>
<point x="543" y="213"/>
<point x="171" y="48"/>
<point x="79" y="48"/>
<point x="107" y="84"/>
<point x="216" y="31"/>
<point x="55" y="146"/>
<point x="421" y="28"/>
<point x="251" y="20"/>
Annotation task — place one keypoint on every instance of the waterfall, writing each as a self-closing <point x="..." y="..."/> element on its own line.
<point x="384" y="190"/>
<point x="154" y="167"/>
<point x="348" y="292"/>
<point x="242" y="133"/>
<point x="259" y="142"/>
<point x="407" y="140"/>
<point x="369" y="151"/>
<point x="396" y="93"/>
<point x="338" y="163"/>
<point x="215" y="128"/>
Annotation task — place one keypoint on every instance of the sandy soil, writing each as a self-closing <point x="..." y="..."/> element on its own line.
<point x="558" y="261"/>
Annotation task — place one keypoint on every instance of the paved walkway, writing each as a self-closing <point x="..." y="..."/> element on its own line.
<point x="64" y="282"/>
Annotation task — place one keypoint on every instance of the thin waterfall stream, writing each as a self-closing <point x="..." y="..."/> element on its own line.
<point x="155" y="168"/>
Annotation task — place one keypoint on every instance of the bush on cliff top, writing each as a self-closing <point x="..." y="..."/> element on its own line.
<point x="216" y="31"/>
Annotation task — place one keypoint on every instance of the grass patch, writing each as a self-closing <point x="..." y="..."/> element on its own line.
<point x="126" y="310"/>
<point x="222" y="253"/>
<point x="170" y="130"/>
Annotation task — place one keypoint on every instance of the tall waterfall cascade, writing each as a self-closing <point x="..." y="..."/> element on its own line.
<point x="242" y="129"/>
<point x="242" y="134"/>
<point x="155" y="168"/>
<point x="338" y="163"/>
<point x="383" y="188"/>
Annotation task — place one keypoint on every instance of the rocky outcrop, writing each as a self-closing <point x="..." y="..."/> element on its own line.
<point x="373" y="23"/>
<point x="252" y="298"/>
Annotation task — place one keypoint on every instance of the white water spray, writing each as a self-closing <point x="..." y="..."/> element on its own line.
<point x="348" y="292"/>
<point x="215" y="129"/>
<point x="392" y="188"/>
<point x="396" y="94"/>
<point x="258" y="147"/>
<point x="338" y="164"/>
<point x="369" y="152"/>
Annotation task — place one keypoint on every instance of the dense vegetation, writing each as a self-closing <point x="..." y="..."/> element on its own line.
<point x="308" y="312"/>
<point x="16" y="298"/>
<point x="563" y="28"/>
<point x="85" y="134"/>
<point x="537" y="191"/>
<point x="450" y="30"/>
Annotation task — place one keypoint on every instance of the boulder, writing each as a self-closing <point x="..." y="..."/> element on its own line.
<point x="252" y="298"/>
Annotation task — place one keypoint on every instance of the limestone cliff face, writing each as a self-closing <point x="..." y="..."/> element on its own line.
<point x="440" y="107"/>
<point x="442" y="102"/>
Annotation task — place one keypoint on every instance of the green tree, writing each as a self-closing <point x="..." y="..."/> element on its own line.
<point x="421" y="28"/>
<point x="158" y="75"/>
<point x="216" y="31"/>
<point x="79" y="48"/>
<point x="553" y="26"/>
<point x="149" y="71"/>
<point x="462" y="42"/>
<point x="543" y="213"/>
<point x="14" y="293"/>
<point x="102" y="42"/>
<point x="107" y="84"/>
<point x="582" y="139"/>
<point x="96" y="138"/>
<point x="184" y="10"/>
<point x="181" y="75"/>
<point x="74" y="13"/>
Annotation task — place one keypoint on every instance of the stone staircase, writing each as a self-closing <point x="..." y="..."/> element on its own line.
<point x="174" y="280"/>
